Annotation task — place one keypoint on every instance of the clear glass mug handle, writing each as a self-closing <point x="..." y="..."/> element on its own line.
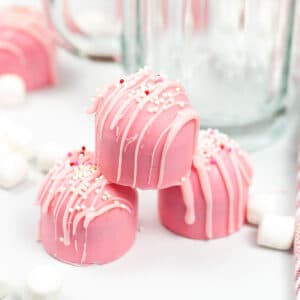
<point x="95" y="45"/>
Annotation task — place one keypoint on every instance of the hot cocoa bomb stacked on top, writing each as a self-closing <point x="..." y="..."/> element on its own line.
<point x="147" y="137"/>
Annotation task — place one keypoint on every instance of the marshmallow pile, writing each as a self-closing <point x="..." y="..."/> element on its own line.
<point x="12" y="90"/>
<point x="17" y="150"/>
<point x="274" y="231"/>
<point x="42" y="283"/>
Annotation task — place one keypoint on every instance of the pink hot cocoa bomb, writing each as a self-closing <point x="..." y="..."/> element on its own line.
<point x="146" y="131"/>
<point x="211" y="202"/>
<point x="27" y="47"/>
<point x="85" y="219"/>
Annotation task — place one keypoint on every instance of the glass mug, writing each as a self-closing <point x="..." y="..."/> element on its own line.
<point x="233" y="56"/>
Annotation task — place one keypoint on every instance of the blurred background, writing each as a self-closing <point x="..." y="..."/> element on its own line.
<point x="240" y="63"/>
<point x="236" y="58"/>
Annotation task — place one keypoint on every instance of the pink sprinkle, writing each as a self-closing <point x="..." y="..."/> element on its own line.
<point x="69" y="154"/>
<point x="229" y="149"/>
<point x="212" y="161"/>
<point x="159" y="79"/>
<point x="75" y="163"/>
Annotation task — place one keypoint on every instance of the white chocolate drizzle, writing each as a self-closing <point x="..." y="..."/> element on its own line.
<point x="151" y="94"/>
<point x="74" y="192"/>
<point x="212" y="147"/>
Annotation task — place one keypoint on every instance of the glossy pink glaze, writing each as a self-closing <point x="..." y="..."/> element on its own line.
<point x="84" y="218"/>
<point x="27" y="47"/>
<point x="212" y="200"/>
<point x="144" y="124"/>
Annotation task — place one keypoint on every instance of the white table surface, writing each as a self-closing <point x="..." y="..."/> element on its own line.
<point x="160" y="264"/>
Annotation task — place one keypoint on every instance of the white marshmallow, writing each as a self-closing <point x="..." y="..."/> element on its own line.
<point x="5" y="150"/>
<point x="5" y="286"/>
<point x="47" y="155"/>
<point x="13" y="170"/>
<point x="17" y="137"/>
<point x="12" y="89"/>
<point x="276" y="232"/>
<point x="43" y="283"/>
<point x="258" y="206"/>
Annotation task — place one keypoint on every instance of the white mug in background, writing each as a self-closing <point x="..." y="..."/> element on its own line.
<point x="233" y="56"/>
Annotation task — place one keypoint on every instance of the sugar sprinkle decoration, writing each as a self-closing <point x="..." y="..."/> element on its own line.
<point x="211" y="143"/>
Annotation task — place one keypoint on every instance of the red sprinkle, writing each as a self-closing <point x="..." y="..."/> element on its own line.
<point x="72" y="164"/>
<point x="83" y="148"/>
<point x="121" y="81"/>
<point x="147" y="92"/>
<point x="222" y="146"/>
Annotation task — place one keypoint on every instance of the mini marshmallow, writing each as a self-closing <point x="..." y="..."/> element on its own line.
<point x="43" y="283"/>
<point x="13" y="170"/>
<point x="276" y="232"/>
<point x="5" y="286"/>
<point x="17" y="137"/>
<point x="12" y="89"/>
<point x="258" y="206"/>
<point x="5" y="150"/>
<point x="47" y="155"/>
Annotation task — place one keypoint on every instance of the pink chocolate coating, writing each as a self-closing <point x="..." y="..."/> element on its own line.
<point x="27" y="47"/>
<point x="212" y="200"/>
<point x="146" y="131"/>
<point x="84" y="218"/>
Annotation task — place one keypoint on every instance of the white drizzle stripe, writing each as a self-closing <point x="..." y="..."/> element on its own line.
<point x="188" y="199"/>
<point x="115" y="204"/>
<point x="37" y="36"/>
<point x="73" y="215"/>
<point x="44" y="202"/>
<point x="113" y="92"/>
<point x="83" y="214"/>
<point x="182" y="118"/>
<point x="70" y="203"/>
<point x="140" y="139"/>
<point x="155" y="149"/>
<point x="131" y="121"/>
<point x="17" y="52"/>
<point x="83" y="258"/>
<point x="120" y="113"/>
<point x="124" y="136"/>
<point x="130" y="141"/>
<point x="76" y="245"/>
<point x="99" y="98"/>
<point x="230" y="192"/>
<point x="60" y="201"/>
<point x="77" y="175"/>
<point x="112" y="99"/>
<point x="240" y="197"/>
<point x="104" y="112"/>
<point x="90" y="216"/>
<point x="50" y="194"/>
<point x="57" y="207"/>
<point x="211" y="144"/>
<point x="207" y="193"/>
<point x="63" y="197"/>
